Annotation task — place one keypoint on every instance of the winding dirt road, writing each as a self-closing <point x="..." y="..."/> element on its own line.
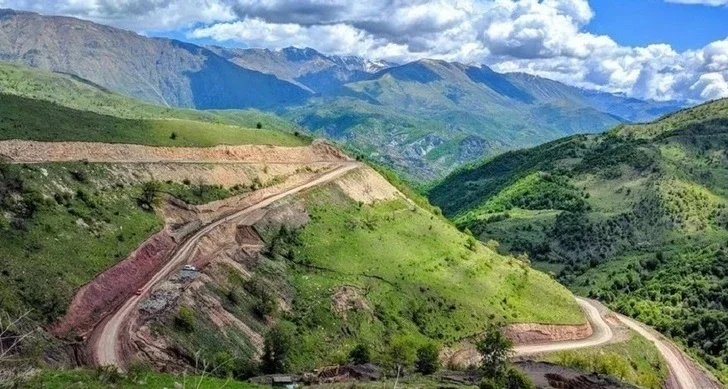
<point x="105" y="345"/>
<point x="684" y="373"/>
<point x="601" y="333"/>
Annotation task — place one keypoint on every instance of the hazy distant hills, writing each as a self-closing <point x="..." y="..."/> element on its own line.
<point x="422" y="118"/>
<point x="428" y="116"/>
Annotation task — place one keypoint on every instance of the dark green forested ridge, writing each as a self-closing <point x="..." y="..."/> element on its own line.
<point x="636" y="217"/>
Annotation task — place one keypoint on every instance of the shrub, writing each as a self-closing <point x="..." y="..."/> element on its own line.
<point x="259" y="125"/>
<point x="150" y="195"/>
<point x="515" y="379"/>
<point x="173" y="136"/>
<point x="185" y="319"/>
<point x="223" y="364"/>
<point x="108" y="375"/>
<point x="79" y="175"/>
<point x="428" y="361"/>
<point x="264" y="306"/>
<point x="489" y="383"/>
<point x="360" y="354"/>
<point x="402" y="352"/>
<point x="276" y="348"/>
<point x="245" y="368"/>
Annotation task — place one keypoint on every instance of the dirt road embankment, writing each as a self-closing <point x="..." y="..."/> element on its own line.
<point x="21" y="151"/>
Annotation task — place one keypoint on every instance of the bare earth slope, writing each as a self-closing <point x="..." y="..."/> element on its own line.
<point x="104" y="343"/>
<point x="19" y="151"/>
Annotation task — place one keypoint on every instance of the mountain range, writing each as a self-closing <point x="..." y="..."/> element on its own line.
<point x="422" y="118"/>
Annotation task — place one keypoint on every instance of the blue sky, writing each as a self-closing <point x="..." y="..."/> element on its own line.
<point x="641" y="22"/>
<point x="628" y="22"/>
<point x="650" y="49"/>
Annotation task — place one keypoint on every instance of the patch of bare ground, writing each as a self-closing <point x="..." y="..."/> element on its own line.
<point x="465" y="355"/>
<point x="225" y="175"/>
<point x="32" y="151"/>
<point x="529" y="333"/>
<point x="93" y="301"/>
<point x="349" y="298"/>
<point x="367" y="186"/>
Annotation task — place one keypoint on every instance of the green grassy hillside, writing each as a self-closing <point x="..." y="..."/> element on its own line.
<point x="419" y="276"/>
<point x="420" y="280"/>
<point x="391" y="276"/>
<point x="39" y="105"/>
<point x="636" y="217"/>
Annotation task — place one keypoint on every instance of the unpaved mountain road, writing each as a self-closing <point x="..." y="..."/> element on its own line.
<point x="684" y="373"/>
<point x="601" y="333"/>
<point x="105" y="341"/>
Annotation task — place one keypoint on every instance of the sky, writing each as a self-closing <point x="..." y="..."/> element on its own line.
<point x="650" y="49"/>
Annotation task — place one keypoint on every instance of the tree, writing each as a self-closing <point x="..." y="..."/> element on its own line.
<point x="276" y="348"/>
<point x="428" y="360"/>
<point x="173" y="136"/>
<point x="150" y="195"/>
<point x="360" y="354"/>
<point x="495" y="348"/>
<point x="259" y="125"/>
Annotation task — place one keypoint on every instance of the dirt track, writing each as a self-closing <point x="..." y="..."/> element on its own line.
<point x="104" y="342"/>
<point x="601" y="334"/>
<point x="684" y="373"/>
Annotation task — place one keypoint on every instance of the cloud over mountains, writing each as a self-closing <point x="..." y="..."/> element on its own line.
<point x="544" y="37"/>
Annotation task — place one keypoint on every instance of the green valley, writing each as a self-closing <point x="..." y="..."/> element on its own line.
<point x="350" y="262"/>
<point x="635" y="217"/>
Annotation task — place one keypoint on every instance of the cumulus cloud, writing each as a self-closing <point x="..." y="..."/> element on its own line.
<point x="543" y="37"/>
<point x="137" y="15"/>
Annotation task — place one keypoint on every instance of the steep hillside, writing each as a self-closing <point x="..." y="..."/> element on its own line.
<point x="345" y="263"/>
<point x="335" y="257"/>
<point x="427" y="117"/>
<point x="40" y="105"/>
<point x="162" y="71"/>
<point x="636" y="217"/>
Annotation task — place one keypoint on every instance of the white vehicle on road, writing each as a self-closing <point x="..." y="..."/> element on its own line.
<point x="189" y="268"/>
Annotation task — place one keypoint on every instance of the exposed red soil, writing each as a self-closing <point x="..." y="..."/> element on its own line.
<point x="110" y="289"/>
<point x="529" y="333"/>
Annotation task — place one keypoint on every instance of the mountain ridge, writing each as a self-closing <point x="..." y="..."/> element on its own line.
<point x="160" y="70"/>
<point x="422" y="118"/>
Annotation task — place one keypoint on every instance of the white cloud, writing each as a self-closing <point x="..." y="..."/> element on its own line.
<point x="543" y="37"/>
<point x="137" y="15"/>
